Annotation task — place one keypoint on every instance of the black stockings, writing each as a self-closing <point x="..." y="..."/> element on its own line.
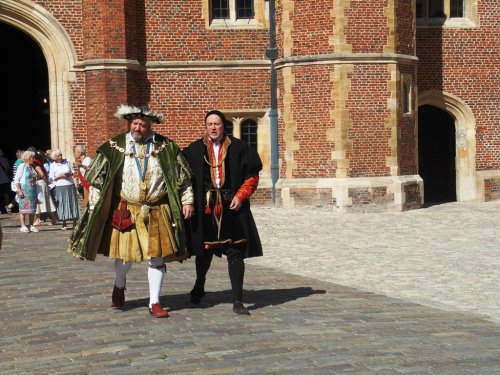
<point x="235" y="267"/>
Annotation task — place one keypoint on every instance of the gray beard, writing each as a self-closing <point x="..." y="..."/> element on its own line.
<point x="141" y="139"/>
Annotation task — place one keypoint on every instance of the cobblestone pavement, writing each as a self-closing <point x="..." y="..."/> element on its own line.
<point x="336" y="293"/>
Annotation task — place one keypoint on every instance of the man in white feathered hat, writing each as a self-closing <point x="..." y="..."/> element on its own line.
<point x="140" y="194"/>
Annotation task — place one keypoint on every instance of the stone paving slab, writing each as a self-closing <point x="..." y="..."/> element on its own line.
<point x="55" y="316"/>
<point x="445" y="256"/>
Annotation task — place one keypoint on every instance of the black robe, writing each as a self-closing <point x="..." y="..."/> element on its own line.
<point x="242" y="162"/>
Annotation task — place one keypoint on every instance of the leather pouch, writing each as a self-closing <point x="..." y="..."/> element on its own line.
<point x="122" y="219"/>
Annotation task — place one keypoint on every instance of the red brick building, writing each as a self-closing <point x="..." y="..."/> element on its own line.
<point x="376" y="99"/>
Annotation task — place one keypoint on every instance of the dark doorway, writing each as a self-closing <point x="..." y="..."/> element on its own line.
<point x="436" y="154"/>
<point x="24" y="77"/>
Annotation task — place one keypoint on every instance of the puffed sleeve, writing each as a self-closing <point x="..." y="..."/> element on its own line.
<point x="184" y="175"/>
<point x="95" y="176"/>
<point x="247" y="188"/>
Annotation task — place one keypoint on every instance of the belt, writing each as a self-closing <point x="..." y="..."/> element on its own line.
<point x="147" y="207"/>
<point x="145" y="204"/>
<point x="163" y="200"/>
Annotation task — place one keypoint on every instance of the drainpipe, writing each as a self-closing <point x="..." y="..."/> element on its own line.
<point x="272" y="55"/>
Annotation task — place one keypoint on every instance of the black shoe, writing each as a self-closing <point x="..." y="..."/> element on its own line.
<point x="197" y="295"/>
<point x="239" y="309"/>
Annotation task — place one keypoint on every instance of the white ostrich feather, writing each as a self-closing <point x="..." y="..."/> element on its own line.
<point x="125" y="111"/>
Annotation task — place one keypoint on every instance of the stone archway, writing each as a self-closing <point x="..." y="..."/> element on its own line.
<point x="60" y="55"/>
<point x="465" y="130"/>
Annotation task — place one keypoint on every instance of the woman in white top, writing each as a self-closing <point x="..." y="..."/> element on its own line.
<point x="61" y="175"/>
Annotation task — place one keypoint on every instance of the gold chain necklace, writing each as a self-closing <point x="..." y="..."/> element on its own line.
<point x="153" y="153"/>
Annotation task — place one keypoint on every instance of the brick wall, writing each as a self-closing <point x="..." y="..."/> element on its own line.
<point x="491" y="189"/>
<point x="70" y="15"/>
<point x="367" y="29"/>
<point x="156" y="31"/>
<point x="376" y="198"/>
<point x="407" y="134"/>
<point x="368" y="110"/>
<point x="405" y="27"/>
<point x="311" y="107"/>
<point x="312" y="27"/>
<point x="175" y="31"/>
<point x="464" y="62"/>
<point x="413" y="196"/>
<point x="184" y="97"/>
<point x="336" y="118"/>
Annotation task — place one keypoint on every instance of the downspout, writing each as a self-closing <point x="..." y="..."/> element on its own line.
<point x="272" y="55"/>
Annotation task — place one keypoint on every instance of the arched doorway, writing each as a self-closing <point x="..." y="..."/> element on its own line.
<point x="465" y="139"/>
<point x="59" y="55"/>
<point x="25" y="78"/>
<point x="436" y="154"/>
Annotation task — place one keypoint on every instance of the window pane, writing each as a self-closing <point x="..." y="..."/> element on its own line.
<point x="420" y="9"/>
<point x="406" y="98"/>
<point x="249" y="133"/>
<point x="220" y="9"/>
<point x="457" y="8"/>
<point x="245" y="9"/>
<point x="228" y="127"/>
<point x="436" y="9"/>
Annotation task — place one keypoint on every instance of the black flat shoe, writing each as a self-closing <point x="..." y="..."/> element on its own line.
<point x="196" y="296"/>
<point x="239" y="309"/>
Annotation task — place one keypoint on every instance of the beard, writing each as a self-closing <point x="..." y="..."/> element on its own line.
<point x="140" y="138"/>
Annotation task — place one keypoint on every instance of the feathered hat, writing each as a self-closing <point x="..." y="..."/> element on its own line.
<point x="127" y="112"/>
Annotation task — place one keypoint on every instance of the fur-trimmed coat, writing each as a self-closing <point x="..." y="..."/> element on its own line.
<point x="90" y="236"/>
<point x="242" y="162"/>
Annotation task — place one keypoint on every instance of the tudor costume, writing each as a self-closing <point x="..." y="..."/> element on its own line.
<point x="143" y="184"/>
<point x="221" y="170"/>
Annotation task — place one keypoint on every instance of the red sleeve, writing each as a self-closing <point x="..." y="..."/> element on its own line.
<point x="40" y="164"/>
<point x="84" y="182"/>
<point x="247" y="188"/>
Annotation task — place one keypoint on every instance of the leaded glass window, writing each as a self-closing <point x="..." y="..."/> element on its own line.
<point x="220" y="9"/>
<point x="245" y="9"/>
<point x="249" y="133"/>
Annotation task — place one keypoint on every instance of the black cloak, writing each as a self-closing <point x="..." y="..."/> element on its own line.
<point x="244" y="162"/>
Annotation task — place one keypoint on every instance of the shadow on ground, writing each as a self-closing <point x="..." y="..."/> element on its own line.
<point x="254" y="299"/>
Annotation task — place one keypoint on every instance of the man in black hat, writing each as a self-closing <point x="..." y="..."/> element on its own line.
<point x="225" y="175"/>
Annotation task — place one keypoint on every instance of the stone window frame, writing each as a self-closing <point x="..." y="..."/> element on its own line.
<point x="469" y="20"/>
<point x="259" y="21"/>
<point x="254" y="133"/>
<point x="237" y="118"/>
<point x="261" y="117"/>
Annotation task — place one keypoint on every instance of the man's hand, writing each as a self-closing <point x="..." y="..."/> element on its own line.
<point x="235" y="204"/>
<point x="188" y="211"/>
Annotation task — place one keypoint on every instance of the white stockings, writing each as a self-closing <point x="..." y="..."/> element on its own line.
<point x="121" y="269"/>
<point x="156" y="272"/>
